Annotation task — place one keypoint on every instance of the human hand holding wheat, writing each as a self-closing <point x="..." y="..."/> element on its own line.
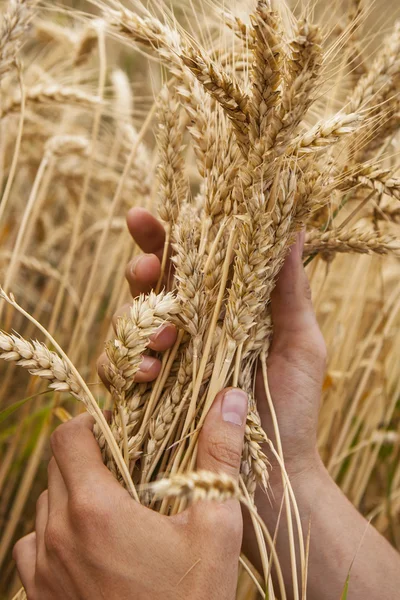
<point x="91" y="540"/>
<point x="296" y="369"/>
<point x="296" y="362"/>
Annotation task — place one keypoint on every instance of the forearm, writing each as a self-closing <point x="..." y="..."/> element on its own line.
<point x="339" y="536"/>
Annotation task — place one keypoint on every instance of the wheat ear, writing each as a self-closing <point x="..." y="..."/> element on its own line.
<point x="64" y="374"/>
<point x="201" y="485"/>
<point x="362" y="242"/>
<point x="53" y="94"/>
<point x="12" y="28"/>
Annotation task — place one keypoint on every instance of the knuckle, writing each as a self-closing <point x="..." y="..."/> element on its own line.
<point x="60" y="436"/>
<point x="85" y="509"/>
<point x="225" y="450"/>
<point x="224" y="522"/>
<point x="210" y="520"/>
<point x="81" y="507"/>
<point x="69" y="432"/>
<point x="54" y="538"/>
<point x="233" y="528"/>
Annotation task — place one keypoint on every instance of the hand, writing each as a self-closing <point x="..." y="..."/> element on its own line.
<point x="93" y="541"/>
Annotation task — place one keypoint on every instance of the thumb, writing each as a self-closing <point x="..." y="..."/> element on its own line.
<point x="221" y="439"/>
<point x="297" y="336"/>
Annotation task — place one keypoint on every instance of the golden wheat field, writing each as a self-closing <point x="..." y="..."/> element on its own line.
<point x="239" y="125"/>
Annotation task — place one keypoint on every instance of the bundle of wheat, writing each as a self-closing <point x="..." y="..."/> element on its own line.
<point x="273" y="153"/>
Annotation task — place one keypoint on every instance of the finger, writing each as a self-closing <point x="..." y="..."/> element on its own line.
<point x="221" y="439"/>
<point x="78" y="454"/>
<point x="24" y="554"/>
<point x="149" y="370"/>
<point x="161" y="341"/>
<point x="164" y="338"/>
<point x="42" y="517"/>
<point x="293" y="316"/>
<point x="147" y="231"/>
<point x="58" y="495"/>
<point x="142" y="274"/>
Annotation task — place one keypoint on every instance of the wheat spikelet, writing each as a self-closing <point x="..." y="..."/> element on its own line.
<point x="60" y="145"/>
<point x="379" y="83"/>
<point x="42" y="268"/>
<point x="13" y="26"/>
<point x="56" y="94"/>
<point x="86" y="44"/>
<point x="381" y="180"/>
<point x="243" y="31"/>
<point x="41" y="362"/>
<point x="304" y="68"/>
<point x="361" y="242"/>
<point x="146" y="315"/>
<point x="389" y="213"/>
<point x="325" y="134"/>
<point x="267" y="70"/>
<point x="148" y="31"/>
<point x="198" y="486"/>
<point x="125" y="354"/>
<point x="310" y="192"/>
<point x="48" y="31"/>
<point x="189" y="277"/>
<point x="254" y="467"/>
<point x="222" y="88"/>
<point x="203" y="133"/>
<point x="173" y="182"/>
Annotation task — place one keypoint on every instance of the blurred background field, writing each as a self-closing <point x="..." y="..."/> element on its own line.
<point x="64" y="245"/>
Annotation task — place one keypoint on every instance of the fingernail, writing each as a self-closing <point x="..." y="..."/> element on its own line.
<point x="234" y="407"/>
<point x="147" y="364"/>
<point x="135" y="263"/>
<point x="159" y="335"/>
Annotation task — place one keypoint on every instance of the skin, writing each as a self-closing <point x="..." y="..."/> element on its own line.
<point x="91" y="540"/>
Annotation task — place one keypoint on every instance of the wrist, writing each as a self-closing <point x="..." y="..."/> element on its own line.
<point x="307" y="483"/>
<point x="301" y="471"/>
